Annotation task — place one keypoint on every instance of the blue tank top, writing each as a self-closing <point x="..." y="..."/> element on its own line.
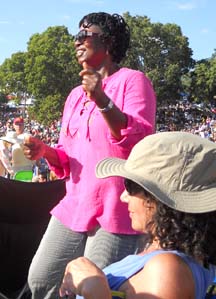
<point x="121" y="271"/>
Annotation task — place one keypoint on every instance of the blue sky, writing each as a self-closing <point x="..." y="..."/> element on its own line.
<point x="19" y="20"/>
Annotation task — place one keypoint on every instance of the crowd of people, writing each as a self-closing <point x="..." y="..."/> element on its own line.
<point x="164" y="239"/>
<point x="185" y="116"/>
<point x="49" y="134"/>
<point x="182" y="116"/>
<point x="13" y="128"/>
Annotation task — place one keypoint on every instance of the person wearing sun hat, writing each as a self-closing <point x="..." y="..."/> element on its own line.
<point x="11" y="137"/>
<point x="178" y="169"/>
<point x="6" y="145"/>
<point x="170" y="189"/>
<point x="5" y="159"/>
<point x="15" y="138"/>
<point x="20" y="162"/>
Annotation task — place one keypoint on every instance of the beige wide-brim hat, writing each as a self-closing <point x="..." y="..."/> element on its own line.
<point x="12" y="138"/>
<point x="177" y="168"/>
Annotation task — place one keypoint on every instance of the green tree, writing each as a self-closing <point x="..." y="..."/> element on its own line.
<point x="203" y="80"/>
<point x="51" y="70"/>
<point x="48" y="110"/>
<point x="162" y="52"/>
<point x="3" y="98"/>
<point x="12" y="75"/>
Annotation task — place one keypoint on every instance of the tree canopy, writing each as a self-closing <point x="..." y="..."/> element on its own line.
<point x="162" y="52"/>
<point x="51" y="70"/>
<point x="12" y="73"/>
<point x="48" y="70"/>
<point x="203" y="80"/>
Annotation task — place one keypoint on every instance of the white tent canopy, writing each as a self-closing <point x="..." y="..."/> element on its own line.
<point x="27" y="102"/>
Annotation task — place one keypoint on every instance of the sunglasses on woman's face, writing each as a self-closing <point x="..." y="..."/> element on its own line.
<point x="131" y="187"/>
<point x="83" y="34"/>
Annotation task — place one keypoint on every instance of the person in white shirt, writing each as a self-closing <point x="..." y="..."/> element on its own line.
<point x="18" y="160"/>
<point x="5" y="159"/>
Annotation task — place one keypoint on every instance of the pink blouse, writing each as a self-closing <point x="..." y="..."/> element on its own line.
<point x="85" y="139"/>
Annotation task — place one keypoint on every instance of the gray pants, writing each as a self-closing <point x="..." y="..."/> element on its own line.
<point x="60" y="245"/>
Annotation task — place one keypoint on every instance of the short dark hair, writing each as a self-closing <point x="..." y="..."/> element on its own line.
<point x="116" y="32"/>
<point x="42" y="172"/>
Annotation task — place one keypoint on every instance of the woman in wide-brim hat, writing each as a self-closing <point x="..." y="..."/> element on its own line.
<point x="170" y="189"/>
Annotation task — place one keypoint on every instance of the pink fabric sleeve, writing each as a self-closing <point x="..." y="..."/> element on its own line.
<point x="140" y="107"/>
<point x="64" y="170"/>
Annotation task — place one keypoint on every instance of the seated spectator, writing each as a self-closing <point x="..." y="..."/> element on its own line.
<point x="42" y="176"/>
<point x="2" y="169"/>
<point x="170" y="189"/>
<point x="9" y="125"/>
<point x="6" y="169"/>
<point x="40" y="166"/>
<point x="18" y="159"/>
<point x="52" y="176"/>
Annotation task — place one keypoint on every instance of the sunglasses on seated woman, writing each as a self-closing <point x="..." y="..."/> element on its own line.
<point x="132" y="188"/>
<point x="83" y="34"/>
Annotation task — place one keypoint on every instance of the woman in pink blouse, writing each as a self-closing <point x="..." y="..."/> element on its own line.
<point x="106" y="115"/>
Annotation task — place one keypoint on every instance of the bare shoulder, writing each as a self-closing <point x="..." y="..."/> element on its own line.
<point x="167" y="275"/>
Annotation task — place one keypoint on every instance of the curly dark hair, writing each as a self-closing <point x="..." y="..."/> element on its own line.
<point x="192" y="234"/>
<point x="116" y="32"/>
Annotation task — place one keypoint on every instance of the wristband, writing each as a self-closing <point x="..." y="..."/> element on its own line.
<point x="107" y="108"/>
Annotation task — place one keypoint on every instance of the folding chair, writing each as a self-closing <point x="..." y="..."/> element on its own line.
<point x="24" y="215"/>
<point x="211" y="293"/>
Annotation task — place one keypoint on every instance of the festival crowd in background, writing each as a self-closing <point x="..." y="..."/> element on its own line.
<point x="183" y="116"/>
<point x="49" y="134"/>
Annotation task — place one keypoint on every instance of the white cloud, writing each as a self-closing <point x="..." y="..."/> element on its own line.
<point x="74" y="1"/>
<point x="9" y="23"/>
<point x="66" y="17"/>
<point x="2" y="40"/>
<point x="186" y="6"/>
<point x="92" y="2"/>
<point x="204" y="30"/>
<point x="4" y="22"/>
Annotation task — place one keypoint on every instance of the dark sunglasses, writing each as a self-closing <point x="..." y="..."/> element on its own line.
<point x="81" y="35"/>
<point x="131" y="187"/>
